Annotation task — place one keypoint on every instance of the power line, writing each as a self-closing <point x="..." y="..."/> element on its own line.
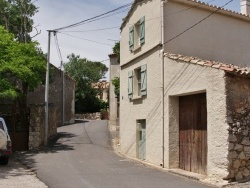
<point x="219" y="8"/>
<point x="58" y="50"/>
<point x="95" y="17"/>
<point x="102" y="29"/>
<point x="86" y="39"/>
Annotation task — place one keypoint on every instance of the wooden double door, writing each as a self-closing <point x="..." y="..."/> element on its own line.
<point x="193" y="133"/>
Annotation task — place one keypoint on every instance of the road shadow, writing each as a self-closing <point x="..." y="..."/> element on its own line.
<point x="13" y="170"/>
<point x="56" y="144"/>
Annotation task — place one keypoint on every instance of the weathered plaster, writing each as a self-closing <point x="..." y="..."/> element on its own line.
<point x="146" y="108"/>
<point x="186" y="79"/>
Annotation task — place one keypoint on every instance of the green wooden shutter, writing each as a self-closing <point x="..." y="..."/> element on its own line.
<point x="130" y="84"/>
<point x="144" y="80"/>
<point x="131" y="38"/>
<point x="142" y="30"/>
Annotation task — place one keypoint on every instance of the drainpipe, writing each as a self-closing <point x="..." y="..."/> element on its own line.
<point x="162" y="83"/>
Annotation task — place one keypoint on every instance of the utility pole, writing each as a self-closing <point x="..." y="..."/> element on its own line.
<point x="47" y="92"/>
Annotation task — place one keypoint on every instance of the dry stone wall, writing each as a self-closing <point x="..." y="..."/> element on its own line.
<point x="238" y="118"/>
<point x="90" y="116"/>
<point x="36" y="129"/>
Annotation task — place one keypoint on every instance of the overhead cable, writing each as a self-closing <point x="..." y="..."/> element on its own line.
<point x="92" y="18"/>
<point x="86" y="39"/>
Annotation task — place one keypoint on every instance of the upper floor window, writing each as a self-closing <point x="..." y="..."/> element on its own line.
<point x="137" y="34"/>
<point x="137" y="82"/>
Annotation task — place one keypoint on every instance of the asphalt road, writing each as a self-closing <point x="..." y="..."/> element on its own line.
<point x="81" y="157"/>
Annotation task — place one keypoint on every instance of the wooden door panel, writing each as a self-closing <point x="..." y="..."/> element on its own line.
<point x="193" y="133"/>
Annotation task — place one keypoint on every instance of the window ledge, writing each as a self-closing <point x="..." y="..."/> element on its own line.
<point x="136" y="97"/>
<point x="136" y="49"/>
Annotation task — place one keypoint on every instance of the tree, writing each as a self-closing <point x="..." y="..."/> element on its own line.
<point x="85" y="73"/>
<point x="116" y="50"/>
<point x="16" y="17"/>
<point x="22" y="67"/>
<point x="116" y="83"/>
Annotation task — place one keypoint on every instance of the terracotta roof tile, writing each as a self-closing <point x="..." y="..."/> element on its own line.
<point x="243" y="71"/>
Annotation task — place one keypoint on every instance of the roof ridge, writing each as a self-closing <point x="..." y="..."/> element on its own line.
<point x="243" y="71"/>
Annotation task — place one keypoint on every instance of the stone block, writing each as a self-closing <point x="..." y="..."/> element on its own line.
<point x="243" y="163"/>
<point x="245" y="132"/>
<point x="246" y="173"/>
<point x="230" y="146"/>
<point x="242" y="156"/>
<point x="236" y="164"/>
<point x="238" y="147"/>
<point x="246" y="141"/>
<point x="232" y="138"/>
<point x="232" y="155"/>
<point x="238" y="176"/>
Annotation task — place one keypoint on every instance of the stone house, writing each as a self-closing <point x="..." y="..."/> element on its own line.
<point x="185" y="87"/>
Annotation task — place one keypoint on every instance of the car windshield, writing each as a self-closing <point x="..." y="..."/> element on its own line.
<point x="1" y="125"/>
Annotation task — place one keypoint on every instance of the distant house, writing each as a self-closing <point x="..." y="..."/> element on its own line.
<point x="102" y="87"/>
<point x="185" y="87"/>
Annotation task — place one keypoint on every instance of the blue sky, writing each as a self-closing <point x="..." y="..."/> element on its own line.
<point x="55" y="14"/>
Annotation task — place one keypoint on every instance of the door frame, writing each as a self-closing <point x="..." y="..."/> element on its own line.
<point x="141" y="136"/>
<point x="194" y="133"/>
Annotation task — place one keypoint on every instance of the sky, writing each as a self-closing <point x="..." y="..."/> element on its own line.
<point x="93" y="45"/>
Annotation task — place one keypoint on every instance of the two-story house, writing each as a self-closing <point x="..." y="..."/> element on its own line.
<point x="185" y="86"/>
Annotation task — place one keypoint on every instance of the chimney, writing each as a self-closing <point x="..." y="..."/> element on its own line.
<point x="245" y="7"/>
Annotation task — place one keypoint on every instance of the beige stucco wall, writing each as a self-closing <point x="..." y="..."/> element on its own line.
<point x="151" y="10"/>
<point x="220" y="37"/>
<point x="114" y="71"/>
<point x="186" y="79"/>
<point x="147" y="108"/>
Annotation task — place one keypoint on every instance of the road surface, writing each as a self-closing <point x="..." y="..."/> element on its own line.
<point x="81" y="157"/>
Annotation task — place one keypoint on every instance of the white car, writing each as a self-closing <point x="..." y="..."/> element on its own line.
<point x="5" y="143"/>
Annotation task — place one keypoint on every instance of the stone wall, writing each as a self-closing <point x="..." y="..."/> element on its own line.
<point x="56" y="96"/>
<point x="90" y="116"/>
<point x="238" y="102"/>
<point x="37" y="127"/>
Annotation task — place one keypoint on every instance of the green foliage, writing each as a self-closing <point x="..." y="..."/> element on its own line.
<point x="22" y="66"/>
<point x="16" y="17"/>
<point x="116" y="50"/>
<point x="116" y="83"/>
<point x="85" y="73"/>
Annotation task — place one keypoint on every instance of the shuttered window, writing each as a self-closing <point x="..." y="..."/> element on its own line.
<point x="131" y="38"/>
<point x="130" y="84"/>
<point x="142" y="30"/>
<point x="143" y="80"/>
<point x="137" y="34"/>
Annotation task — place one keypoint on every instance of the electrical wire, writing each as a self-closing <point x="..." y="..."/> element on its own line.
<point x="218" y="9"/>
<point x="93" y="18"/>
<point x="102" y="29"/>
<point x="86" y="39"/>
<point x="58" y="50"/>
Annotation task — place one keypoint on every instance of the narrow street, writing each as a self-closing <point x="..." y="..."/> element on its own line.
<point x="81" y="157"/>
